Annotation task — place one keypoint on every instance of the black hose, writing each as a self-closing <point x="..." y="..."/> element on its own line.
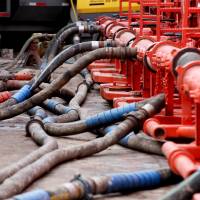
<point x="186" y="189"/>
<point x="81" y="63"/>
<point x="68" y="53"/>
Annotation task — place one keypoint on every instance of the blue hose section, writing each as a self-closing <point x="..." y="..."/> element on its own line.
<point x="48" y="120"/>
<point x="23" y="94"/>
<point x="124" y="140"/>
<point x="33" y="110"/>
<point x="110" y="116"/>
<point x="51" y="104"/>
<point x="35" y="195"/>
<point x="41" y="114"/>
<point x="131" y="181"/>
<point x="84" y="72"/>
<point x="37" y="111"/>
<point x="67" y="109"/>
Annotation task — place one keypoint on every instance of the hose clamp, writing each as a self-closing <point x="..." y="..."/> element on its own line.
<point x="81" y="29"/>
<point x="78" y="23"/>
<point x="149" y="109"/>
<point x="95" y="45"/>
<point x="86" y="186"/>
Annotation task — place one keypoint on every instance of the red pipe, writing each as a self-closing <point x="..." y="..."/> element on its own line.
<point x="157" y="130"/>
<point x="181" y="162"/>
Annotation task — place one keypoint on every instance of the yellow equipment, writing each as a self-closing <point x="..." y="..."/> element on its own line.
<point x="103" y="6"/>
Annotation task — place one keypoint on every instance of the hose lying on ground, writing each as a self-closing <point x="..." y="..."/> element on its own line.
<point x="185" y="189"/>
<point x="58" y="39"/>
<point x="93" y="122"/>
<point x="80" y="96"/>
<point x="137" y="142"/>
<point x="81" y="63"/>
<point x="12" y="85"/>
<point x="134" y="120"/>
<point x="46" y="143"/>
<point x="108" y="184"/>
<point x="69" y="53"/>
<point x="64" y="92"/>
<point x="27" y="90"/>
<point x="21" y="75"/>
<point x="68" y="114"/>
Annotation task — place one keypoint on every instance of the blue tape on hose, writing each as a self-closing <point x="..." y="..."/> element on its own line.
<point x="67" y="109"/>
<point x="51" y="104"/>
<point x="41" y="114"/>
<point x="84" y="72"/>
<point x="23" y="94"/>
<point x="110" y="116"/>
<point x="124" y="140"/>
<point x="131" y="181"/>
<point x="48" y="120"/>
<point x="35" y="195"/>
<point x="110" y="128"/>
<point x="33" y="110"/>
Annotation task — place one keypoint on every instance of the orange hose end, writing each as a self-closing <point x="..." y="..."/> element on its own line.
<point x="23" y="76"/>
<point x="152" y="127"/>
<point x="4" y="96"/>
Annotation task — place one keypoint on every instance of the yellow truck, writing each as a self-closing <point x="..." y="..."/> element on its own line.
<point x="88" y="8"/>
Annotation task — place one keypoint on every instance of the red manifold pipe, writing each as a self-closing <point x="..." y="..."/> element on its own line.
<point x="154" y="128"/>
<point x="124" y="37"/>
<point x="104" y="76"/>
<point x="113" y="28"/>
<point x="137" y="74"/>
<point x="182" y="162"/>
<point x="189" y="80"/>
<point x="142" y="44"/>
<point x="184" y="158"/>
<point x="161" y="55"/>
